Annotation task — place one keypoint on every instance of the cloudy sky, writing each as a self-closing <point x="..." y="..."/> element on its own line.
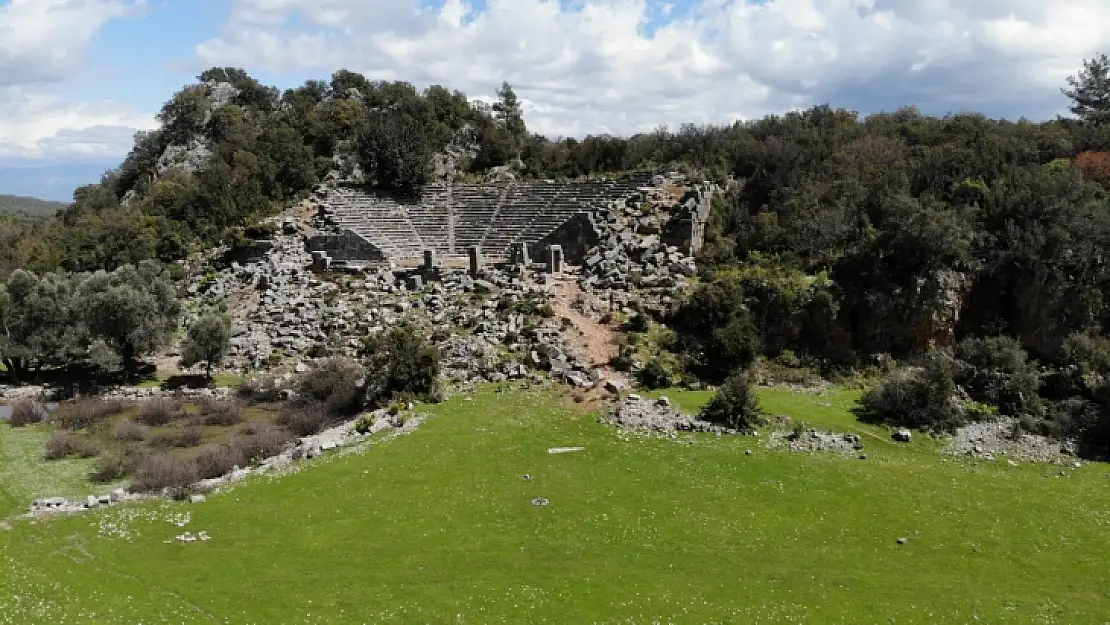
<point x="79" y="77"/>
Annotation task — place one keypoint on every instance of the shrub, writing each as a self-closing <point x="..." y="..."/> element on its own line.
<point x="715" y="329"/>
<point x="258" y="440"/>
<point x="305" y="419"/>
<point x="335" y="383"/>
<point x="637" y="323"/>
<point x="401" y="362"/>
<point x="655" y="375"/>
<point x="86" y="413"/>
<point x="735" y="404"/>
<point x="996" y="370"/>
<point x="363" y="424"/>
<point x="221" y="412"/>
<point x="115" y="465"/>
<point x="214" y="460"/>
<point x="129" y="431"/>
<point x="155" y="412"/>
<point x="921" y="399"/>
<point x="182" y="437"/>
<point x="165" y="471"/>
<point x="27" y="412"/>
<point x="264" y="389"/>
<point x="66" y="445"/>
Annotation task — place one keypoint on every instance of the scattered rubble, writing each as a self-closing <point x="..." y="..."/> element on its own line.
<point x="637" y="412"/>
<point x="1003" y="438"/>
<point x="815" y="441"/>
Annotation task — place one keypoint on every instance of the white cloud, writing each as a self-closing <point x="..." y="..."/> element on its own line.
<point x="42" y="44"/>
<point x="44" y="40"/>
<point x="588" y="66"/>
<point x="38" y="125"/>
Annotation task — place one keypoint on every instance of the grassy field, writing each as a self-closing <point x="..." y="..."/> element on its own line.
<point x="438" y="527"/>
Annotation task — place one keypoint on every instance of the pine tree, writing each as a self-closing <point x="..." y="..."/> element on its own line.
<point x="508" y="112"/>
<point x="1090" y="91"/>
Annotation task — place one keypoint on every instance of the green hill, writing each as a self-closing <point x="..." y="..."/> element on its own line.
<point x="29" y="206"/>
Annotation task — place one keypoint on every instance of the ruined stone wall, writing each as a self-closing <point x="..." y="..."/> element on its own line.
<point x="686" y="228"/>
<point x="577" y="236"/>
<point x="343" y="246"/>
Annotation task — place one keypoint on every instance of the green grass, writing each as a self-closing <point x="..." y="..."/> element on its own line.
<point x="25" y="476"/>
<point x="437" y="527"/>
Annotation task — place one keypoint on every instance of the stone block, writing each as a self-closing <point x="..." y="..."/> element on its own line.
<point x="554" y="259"/>
<point x="474" y="253"/>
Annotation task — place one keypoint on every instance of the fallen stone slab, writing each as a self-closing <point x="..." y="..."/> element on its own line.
<point x="564" y="450"/>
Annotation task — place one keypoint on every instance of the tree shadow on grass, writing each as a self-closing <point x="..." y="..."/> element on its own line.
<point x="176" y="382"/>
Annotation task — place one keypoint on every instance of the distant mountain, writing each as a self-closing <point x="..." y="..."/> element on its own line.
<point x="29" y="206"/>
<point x="50" y="180"/>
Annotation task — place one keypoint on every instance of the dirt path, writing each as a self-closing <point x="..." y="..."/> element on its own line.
<point x="591" y="341"/>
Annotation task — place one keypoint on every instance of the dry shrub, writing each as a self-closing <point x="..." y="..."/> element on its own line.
<point x="66" y="445"/>
<point x="214" y="460"/>
<point x="116" y="465"/>
<point x="86" y="413"/>
<point x="27" y="412"/>
<point x="157" y="412"/>
<point x="305" y="419"/>
<point x="129" y="431"/>
<point x="189" y="436"/>
<point x="221" y="412"/>
<point x="262" y="389"/>
<point x="336" y="383"/>
<point x="162" y="471"/>
<point x="258" y="440"/>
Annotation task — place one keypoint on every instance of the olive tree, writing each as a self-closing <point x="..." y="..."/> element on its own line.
<point x="207" y="340"/>
<point x="133" y="310"/>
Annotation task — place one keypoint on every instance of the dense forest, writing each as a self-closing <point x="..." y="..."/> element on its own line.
<point x="29" y="207"/>
<point x="975" y="249"/>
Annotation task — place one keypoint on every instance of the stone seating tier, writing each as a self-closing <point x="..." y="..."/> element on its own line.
<point x="450" y="218"/>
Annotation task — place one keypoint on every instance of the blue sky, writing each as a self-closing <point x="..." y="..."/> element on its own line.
<point x="79" y="77"/>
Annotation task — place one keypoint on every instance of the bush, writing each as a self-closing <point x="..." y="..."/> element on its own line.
<point x="155" y="412"/>
<point x="183" y="437"/>
<point x="214" y="460"/>
<point x="335" y="383"/>
<point x="637" y="323"/>
<point x="306" y="419"/>
<point x="221" y="412"/>
<point x="655" y="375"/>
<point x="363" y="424"/>
<point x="996" y="370"/>
<point x="735" y="404"/>
<point x="264" y="389"/>
<point x="715" y="329"/>
<point x="115" y="465"/>
<point x="27" y="412"/>
<point x="129" y="431"/>
<point x="401" y="362"/>
<point x="66" y="445"/>
<point x="165" y="471"/>
<point x="86" y="413"/>
<point x="922" y="400"/>
<point x="258" y="440"/>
